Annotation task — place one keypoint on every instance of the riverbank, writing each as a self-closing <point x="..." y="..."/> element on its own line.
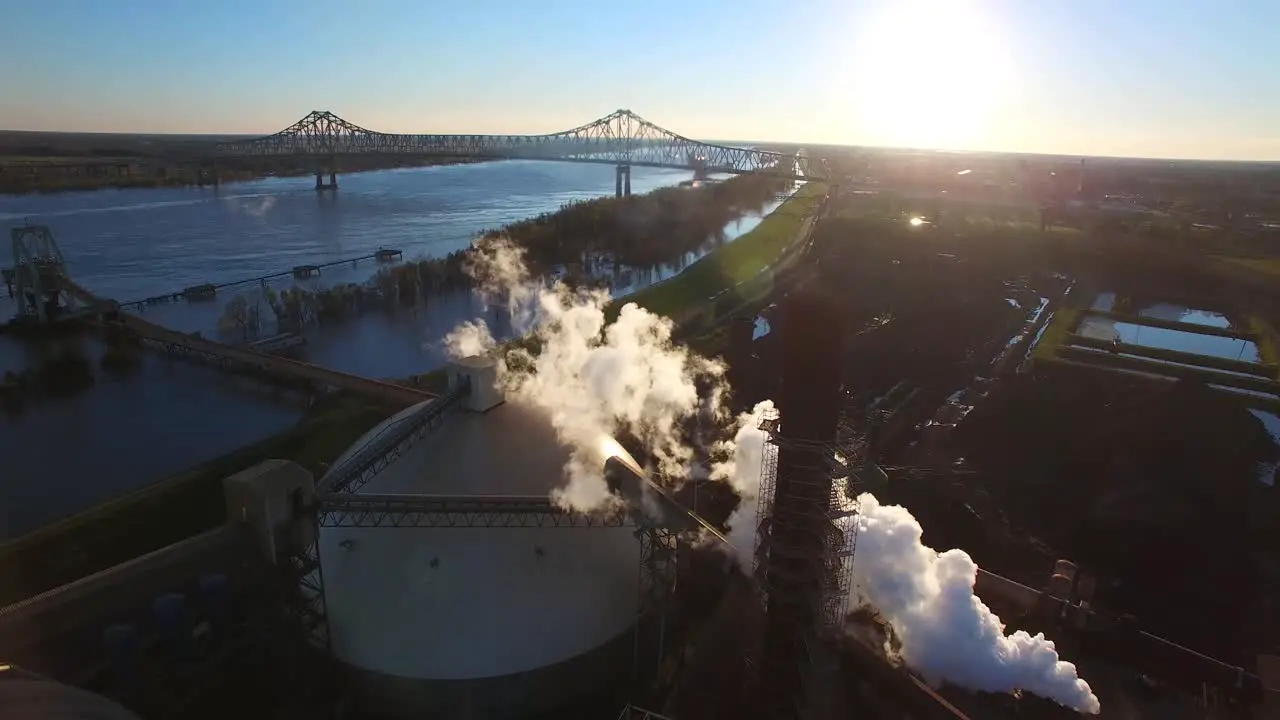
<point x="27" y="174"/>
<point x="174" y="508"/>
<point x="734" y="273"/>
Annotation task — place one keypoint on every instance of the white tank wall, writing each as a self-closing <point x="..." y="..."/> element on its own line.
<point x="489" y="607"/>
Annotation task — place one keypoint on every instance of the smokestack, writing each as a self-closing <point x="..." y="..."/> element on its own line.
<point x="809" y="407"/>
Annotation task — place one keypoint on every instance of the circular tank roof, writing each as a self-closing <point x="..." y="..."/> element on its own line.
<point x="463" y="603"/>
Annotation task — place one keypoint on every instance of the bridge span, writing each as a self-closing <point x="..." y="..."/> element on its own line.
<point x="621" y="138"/>
<point x="198" y="348"/>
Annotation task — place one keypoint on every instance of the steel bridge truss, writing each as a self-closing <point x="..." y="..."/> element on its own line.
<point x="621" y="138"/>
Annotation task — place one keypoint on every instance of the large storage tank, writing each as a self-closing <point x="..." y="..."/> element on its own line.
<point x="485" y="622"/>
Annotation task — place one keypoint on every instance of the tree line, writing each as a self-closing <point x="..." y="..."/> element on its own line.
<point x="581" y="240"/>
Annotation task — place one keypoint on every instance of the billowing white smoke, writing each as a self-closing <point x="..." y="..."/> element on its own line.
<point x="591" y="379"/>
<point x="945" y="630"/>
<point x="741" y="470"/>
<point x="469" y="338"/>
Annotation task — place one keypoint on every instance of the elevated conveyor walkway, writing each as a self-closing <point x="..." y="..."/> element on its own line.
<point x="199" y="348"/>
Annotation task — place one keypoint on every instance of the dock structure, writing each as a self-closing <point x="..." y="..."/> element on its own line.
<point x="200" y="349"/>
<point x="251" y="359"/>
<point x="45" y="293"/>
<point x="209" y="291"/>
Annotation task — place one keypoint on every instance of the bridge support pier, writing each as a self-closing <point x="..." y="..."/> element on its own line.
<point x="623" y="181"/>
<point x="333" y="179"/>
<point x="699" y="164"/>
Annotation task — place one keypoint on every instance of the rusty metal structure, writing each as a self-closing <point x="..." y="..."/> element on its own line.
<point x="622" y="138"/>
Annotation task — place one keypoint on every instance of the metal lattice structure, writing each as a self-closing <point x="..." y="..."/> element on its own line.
<point x="393" y="441"/>
<point x="305" y="575"/>
<point x="631" y="712"/>
<point x="824" y="467"/>
<point x="456" y="511"/>
<point x="838" y="560"/>
<point x="621" y="138"/>
<point x="38" y="279"/>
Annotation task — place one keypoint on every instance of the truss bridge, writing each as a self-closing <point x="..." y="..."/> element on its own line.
<point x="622" y="138"/>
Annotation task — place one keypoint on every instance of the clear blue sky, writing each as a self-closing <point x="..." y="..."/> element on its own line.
<point x="1171" y="78"/>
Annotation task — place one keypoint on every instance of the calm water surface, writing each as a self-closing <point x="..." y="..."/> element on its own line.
<point x="1104" y="328"/>
<point x="1167" y="311"/>
<point x="64" y="455"/>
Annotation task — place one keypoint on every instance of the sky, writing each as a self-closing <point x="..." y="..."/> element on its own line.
<point x="1147" y="78"/>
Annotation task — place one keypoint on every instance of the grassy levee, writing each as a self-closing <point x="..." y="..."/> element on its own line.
<point x="1268" y="342"/>
<point x="1064" y="322"/>
<point x="733" y="273"/>
<point x="1265" y="266"/>
<point x="169" y="510"/>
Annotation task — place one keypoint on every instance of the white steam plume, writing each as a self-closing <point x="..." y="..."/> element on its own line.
<point x="468" y="339"/>
<point x="591" y="379"/>
<point x="946" y="632"/>
<point x="741" y="470"/>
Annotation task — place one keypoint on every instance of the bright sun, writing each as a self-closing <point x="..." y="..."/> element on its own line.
<point x="929" y="73"/>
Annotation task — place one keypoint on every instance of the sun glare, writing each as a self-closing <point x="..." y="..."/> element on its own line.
<point x="929" y="73"/>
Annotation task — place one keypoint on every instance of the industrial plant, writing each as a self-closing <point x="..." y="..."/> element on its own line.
<point x="594" y="521"/>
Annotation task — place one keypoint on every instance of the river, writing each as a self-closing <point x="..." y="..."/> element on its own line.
<point x="61" y="456"/>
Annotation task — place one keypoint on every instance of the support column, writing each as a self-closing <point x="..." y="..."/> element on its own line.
<point x="622" y="181"/>
<point x="333" y="177"/>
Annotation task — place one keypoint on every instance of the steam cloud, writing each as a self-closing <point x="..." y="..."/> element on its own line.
<point x="946" y="631"/>
<point x="590" y="378"/>
<point x="741" y="470"/>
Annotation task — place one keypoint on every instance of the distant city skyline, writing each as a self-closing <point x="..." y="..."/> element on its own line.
<point x="1143" y="78"/>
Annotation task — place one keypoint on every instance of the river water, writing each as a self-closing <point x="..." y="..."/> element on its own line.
<point x="63" y="455"/>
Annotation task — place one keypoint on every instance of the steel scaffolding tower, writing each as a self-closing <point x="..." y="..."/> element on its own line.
<point x="803" y="557"/>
